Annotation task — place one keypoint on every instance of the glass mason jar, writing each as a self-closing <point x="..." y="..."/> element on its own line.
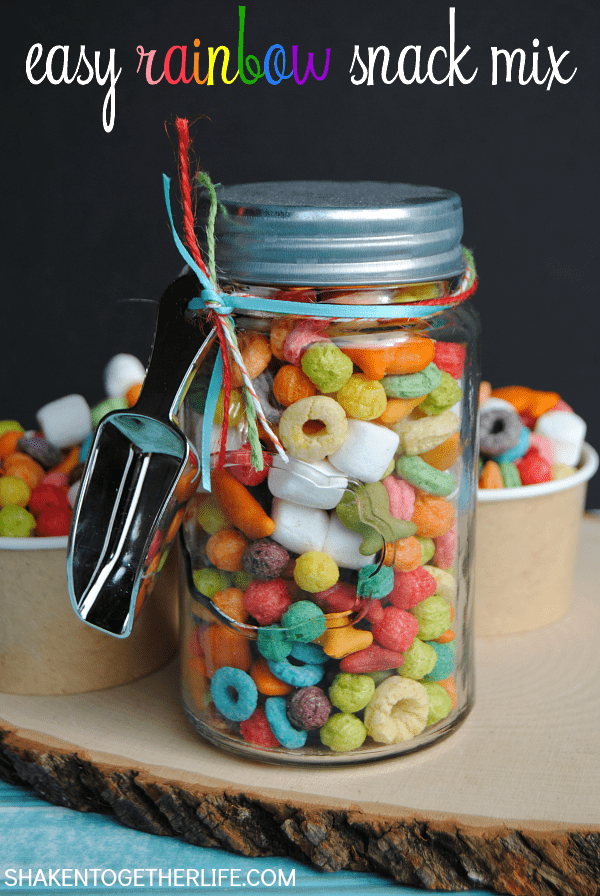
<point x="325" y="599"/>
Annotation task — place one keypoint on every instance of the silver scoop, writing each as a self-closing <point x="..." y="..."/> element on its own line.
<point x="140" y="471"/>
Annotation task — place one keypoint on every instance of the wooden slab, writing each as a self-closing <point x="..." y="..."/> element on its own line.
<point x="511" y="801"/>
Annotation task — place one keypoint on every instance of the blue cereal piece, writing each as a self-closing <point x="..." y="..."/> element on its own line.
<point x="299" y="676"/>
<point x="234" y="693"/>
<point x="284" y="731"/>
<point x="305" y="621"/>
<point x="517" y="451"/>
<point x="308" y="653"/>
<point x="375" y="584"/>
<point x="273" y="643"/>
<point x="445" y="661"/>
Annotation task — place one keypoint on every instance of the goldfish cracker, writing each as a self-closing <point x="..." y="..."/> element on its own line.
<point x="256" y="353"/>
<point x="225" y="549"/>
<point x="223" y="647"/>
<point x="291" y="384"/>
<point x="398" y="409"/>
<point x="267" y="683"/>
<point x="240" y="506"/>
<point x="443" y="456"/>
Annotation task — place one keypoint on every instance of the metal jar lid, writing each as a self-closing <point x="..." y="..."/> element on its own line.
<point x="329" y="233"/>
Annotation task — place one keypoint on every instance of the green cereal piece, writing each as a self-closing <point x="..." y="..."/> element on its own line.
<point x="427" y="548"/>
<point x="419" y="660"/>
<point x="510" y="474"/>
<point x="16" y="522"/>
<point x="211" y="518"/>
<point x="273" y="643"/>
<point x="375" y="584"/>
<point x="102" y="409"/>
<point x="306" y="621"/>
<point x="242" y="579"/>
<point x="326" y="366"/>
<point x="362" y="398"/>
<point x="443" y="397"/>
<point x="209" y="581"/>
<point x="343" y="732"/>
<point x="350" y="692"/>
<point x="434" y="615"/>
<point x="422" y="475"/>
<point x="446" y="582"/>
<point x="9" y="426"/>
<point x="440" y="702"/>
<point x="411" y="385"/>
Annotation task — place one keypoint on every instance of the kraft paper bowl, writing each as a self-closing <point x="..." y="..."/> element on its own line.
<point x="46" y="649"/>
<point x="525" y="549"/>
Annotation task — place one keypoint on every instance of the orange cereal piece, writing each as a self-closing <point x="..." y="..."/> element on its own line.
<point x="24" y="467"/>
<point x="175" y="524"/>
<point x="69" y="463"/>
<point x="433" y="516"/>
<point x="518" y="396"/>
<point x="225" y="549"/>
<point x="231" y="602"/>
<point x="291" y="384"/>
<point x="449" y="684"/>
<point x="443" y="456"/>
<point x="8" y="442"/>
<point x="399" y="408"/>
<point x="485" y="391"/>
<point x="267" y="683"/>
<point x="491" y="475"/>
<point x="224" y="647"/>
<point x="133" y="394"/>
<point x="404" y="555"/>
<point x="446" y="637"/>
<point x="280" y="330"/>
<point x="411" y="356"/>
<point x="256" y="352"/>
<point x="540" y="402"/>
<point x="240" y="506"/>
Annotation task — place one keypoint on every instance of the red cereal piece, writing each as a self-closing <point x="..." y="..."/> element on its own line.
<point x="47" y="497"/>
<point x="527" y="419"/>
<point x="267" y="601"/>
<point x="450" y="357"/>
<point x="561" y="405"/>
<point x="240" y="466"/>
<point x="56" y="521"/>
<point x="304" y="334"/>
<point x="256" y="730"/>
<point x="59" y="479"/>
<point x="410" y="588"/>
<point x="397" y="629"/>
<point x="533" y="468"/>
<point x="371" y="659"/>
<point x="374" y="612"/>
<point x="445" y="549"/>
<point x="337" y="599"/>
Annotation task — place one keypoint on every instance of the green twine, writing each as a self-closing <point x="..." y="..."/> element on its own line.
<point x="256" y="455"/>
<point x="206" y="182"/>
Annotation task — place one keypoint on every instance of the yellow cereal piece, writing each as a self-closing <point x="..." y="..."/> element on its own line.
<point x="398" y="710"/>
<point x="315" y="571"/>
<point x="313" y="445"/>
<point x="561" y="471"/>
<point x="362" y="398"/>
<point x="418" y="436"/>
<point x="446" y="583"/>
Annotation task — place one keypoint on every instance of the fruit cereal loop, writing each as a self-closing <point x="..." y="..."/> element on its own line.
<point x="362" y="398"/>
<point x="315" y="571"/>
<point x="226" y="548"/>
<point x="327" y="367"/>
<point x="398" y="710"/>
<point x="320" y="444"/>
<point x="433" y="516"/>
<point x="227" y="682"/>
<point x="342" y="732"/>
<point x="291" y="384"/>
<point x="308" y="708"/>
<point x="267" y="601"/>
<point x="289" y="737"/>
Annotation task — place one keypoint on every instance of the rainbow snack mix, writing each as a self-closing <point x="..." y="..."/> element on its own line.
<point x="40" y="470"/>
<point x="344" y="556"/>
<point x="527" y="437"/>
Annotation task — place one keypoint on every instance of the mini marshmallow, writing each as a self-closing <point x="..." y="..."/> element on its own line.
<point x="567" y="432"/>
<point x="121" y="373"/>
<point x="66" y="421"/>
<point x="366" y="452"/>
<point x="316" y="484"/>
<point x="236" y="436"/>
<point x="342" y="545"/>
<point x="299" y="529"/>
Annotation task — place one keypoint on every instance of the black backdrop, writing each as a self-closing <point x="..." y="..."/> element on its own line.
<point x="85" y="230"/>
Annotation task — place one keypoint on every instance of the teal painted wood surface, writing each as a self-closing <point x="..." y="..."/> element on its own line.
<point x="43" y="846"/>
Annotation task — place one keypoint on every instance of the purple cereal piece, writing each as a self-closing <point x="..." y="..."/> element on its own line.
<point x="265" y="560"/>
<point x="40" y="450"/>
<point x="308" y="708"/>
